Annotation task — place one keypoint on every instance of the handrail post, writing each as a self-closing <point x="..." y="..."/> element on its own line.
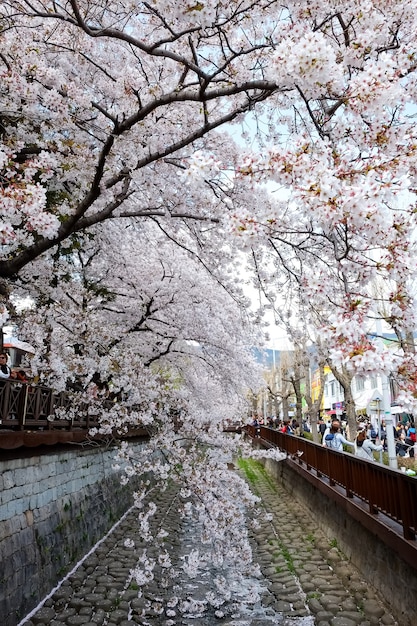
<point x="329" y="472"/>
<point x="408" y="532"/>
<point x="6" y="400"/>
<point x="22" y="405"/>
<point x="347" y="470"/>
<point x="37" y="403"/>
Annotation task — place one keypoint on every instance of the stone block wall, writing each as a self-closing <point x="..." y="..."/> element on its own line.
<point x="395" y="579"/>
<point x="53" y="508"/>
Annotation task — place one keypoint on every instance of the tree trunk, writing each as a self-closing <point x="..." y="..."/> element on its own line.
<point x="314" y="406"/>
<point x="344" y="377"/>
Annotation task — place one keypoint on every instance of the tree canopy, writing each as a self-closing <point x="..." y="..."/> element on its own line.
<point x="113" y="111"/>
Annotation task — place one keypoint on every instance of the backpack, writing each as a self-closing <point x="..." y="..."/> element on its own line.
<point x="329" y="439"/>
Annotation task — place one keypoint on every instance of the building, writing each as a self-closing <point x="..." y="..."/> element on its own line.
<point x="19" y="352"/>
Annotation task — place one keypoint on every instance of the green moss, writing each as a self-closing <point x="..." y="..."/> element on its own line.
<point x="255" y="471"/>
<point x="288" y="559"/>
<point x="246" y="466"/>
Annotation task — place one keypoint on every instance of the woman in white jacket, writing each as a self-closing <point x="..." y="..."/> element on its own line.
<point x="5" y="370"/>
<point x="364" y="446"/>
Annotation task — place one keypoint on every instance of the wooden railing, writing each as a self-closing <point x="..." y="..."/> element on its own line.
<point x="24" y="406"/>
<point x="385" y="491"/>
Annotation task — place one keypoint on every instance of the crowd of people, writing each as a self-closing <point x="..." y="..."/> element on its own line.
<point x="291" y="427"/>
<point x="333" y="435"/>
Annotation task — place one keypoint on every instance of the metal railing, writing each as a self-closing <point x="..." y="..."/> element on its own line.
<point x="384" y="490"/>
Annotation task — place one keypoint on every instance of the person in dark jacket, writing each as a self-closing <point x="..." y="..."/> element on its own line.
<point x="401" y="446"/>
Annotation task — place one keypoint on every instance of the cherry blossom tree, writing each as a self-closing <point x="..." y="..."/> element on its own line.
<point x="99" y="103"/>
<point x="116" y="112"/>
<point x="130" y="302"/>
<point x="347" y="219"/>
<point x="96" y="129"/>
<point x="135" y="319"/>
<point x="87" y="85"/>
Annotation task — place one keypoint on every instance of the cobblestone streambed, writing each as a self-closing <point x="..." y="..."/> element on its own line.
<point x="304" y="570"/>
<point x="306" y="581"/>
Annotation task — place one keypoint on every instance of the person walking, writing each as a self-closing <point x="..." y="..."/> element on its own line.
<point x="401" y="446"/>
<point x="365" y="447"/>
<point x="321" y="426"/>
<point x="334" y="439"/>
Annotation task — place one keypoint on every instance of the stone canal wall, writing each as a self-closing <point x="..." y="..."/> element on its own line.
<point x="53" y="508"/>
<point x="379" y="565"/>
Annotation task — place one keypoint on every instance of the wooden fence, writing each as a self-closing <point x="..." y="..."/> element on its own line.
<point x="24" y="406"/>
<point x="386" y="492"/>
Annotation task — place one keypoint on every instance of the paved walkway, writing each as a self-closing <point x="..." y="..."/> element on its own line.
<point x="307" y="581"/>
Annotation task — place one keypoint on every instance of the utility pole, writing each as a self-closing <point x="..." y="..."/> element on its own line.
<point x="386" y="404"/>
<point x="389" y="423"/>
